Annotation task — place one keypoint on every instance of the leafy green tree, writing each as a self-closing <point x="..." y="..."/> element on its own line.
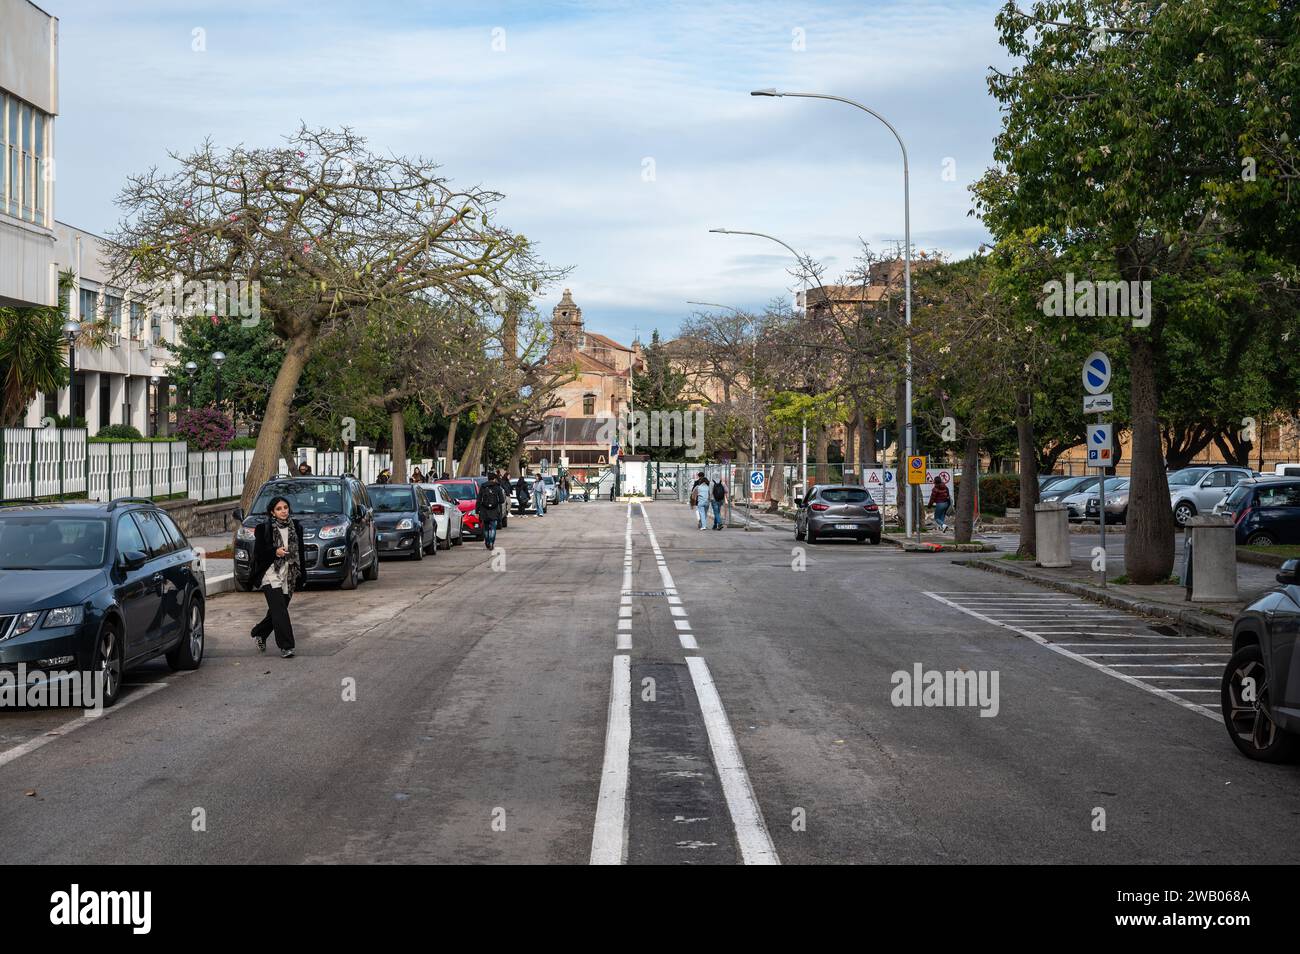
<point x="33" y="354"/>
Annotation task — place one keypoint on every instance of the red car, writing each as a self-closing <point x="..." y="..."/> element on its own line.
<point x="464" y="490"/>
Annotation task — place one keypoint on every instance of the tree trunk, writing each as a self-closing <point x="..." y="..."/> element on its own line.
<point x="274" y="423"/>
<point x="777" y="493"/>
<point x="399" y="445"/>
<point x="1149" y="536"/>
<point x="517" y="456"/>
<point x="851" y="449"/>
<point x="869" y="427"/>
<point x="472" y="461"/>
<point x="451" y="444"/>
<point x="1028" y="475"/>
<point x="964" y="526"/>
<point x="822" y="474"/>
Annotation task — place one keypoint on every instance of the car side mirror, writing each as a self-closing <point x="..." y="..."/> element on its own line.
<point x="798" y="502"/>
<point x="1287" y="573"/>
<point x="238" y="513"/>
<point x="134" y="559"/>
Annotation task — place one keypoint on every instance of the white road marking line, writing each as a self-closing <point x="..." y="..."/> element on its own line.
<point x="674" y="601"/>
<point x="1153" y="676"/>
<point x="624" y="624"/>
<point x="677" y="610"/>
<point x="609" y="836"/>
<point x="1164" y="655"/>
<point x="1108" y="669"/>
<point x="1134" y="645"/>
<point x="625" y="611"/>
<point x="1166" y="665"/>
<point x="755" y="844"/>
<point x="1195" y="690"/>
<point x="31" y="745"/>
<point x="687" y="641"/>
<point x="682" y="623"/>
<point x="623" y="641"/>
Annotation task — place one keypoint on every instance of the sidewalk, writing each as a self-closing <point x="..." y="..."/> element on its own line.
<point x="1165" y="601"/>
<point x="219" y="574"/>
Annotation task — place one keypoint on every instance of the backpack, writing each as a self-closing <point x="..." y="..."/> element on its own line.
<point x="695" y="496"/>
<point x="719" y="491"/>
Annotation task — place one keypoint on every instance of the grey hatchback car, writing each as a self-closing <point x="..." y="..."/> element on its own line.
<point x="837" y="510"/>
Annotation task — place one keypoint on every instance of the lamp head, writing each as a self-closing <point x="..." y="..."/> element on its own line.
<point x="765" y="92"/>
<point x="190" y="367"/>
<point x="218" y="358"/>
<point x="71" y="329"/>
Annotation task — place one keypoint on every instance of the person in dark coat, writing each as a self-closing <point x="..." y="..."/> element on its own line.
<point x="941" y="500"/>
<point x="279" y="567"/>
<point x="521" y="493"/>
<point x="490" y="505"/>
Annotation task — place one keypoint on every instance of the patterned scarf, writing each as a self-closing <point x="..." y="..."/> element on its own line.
<point x="294" y="573"/>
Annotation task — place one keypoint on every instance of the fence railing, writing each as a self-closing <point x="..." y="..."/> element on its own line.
<point x="134" y="469"/>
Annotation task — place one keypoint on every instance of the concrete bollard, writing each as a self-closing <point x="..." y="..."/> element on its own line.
<point x="1214" y="559"/>
<point x="1052" y="529"/>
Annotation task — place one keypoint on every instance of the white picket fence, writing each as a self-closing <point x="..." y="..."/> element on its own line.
<point x="61" y="462"/>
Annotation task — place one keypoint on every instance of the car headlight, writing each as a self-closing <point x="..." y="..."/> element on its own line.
<point x="64" y="616"/>
<point x="333" y="532"/>
<point x="24" y="623"/>
<point x="405" y="524"/>
<point x="245" y="533"/>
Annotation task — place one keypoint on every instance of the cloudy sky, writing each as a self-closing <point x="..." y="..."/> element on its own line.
<point x="619" y="132"/>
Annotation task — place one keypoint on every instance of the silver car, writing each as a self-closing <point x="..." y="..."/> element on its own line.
<point x="1116" y="501"/>
<point x="1194" y="490"/>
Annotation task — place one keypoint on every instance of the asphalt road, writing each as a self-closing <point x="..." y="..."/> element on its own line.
<point x="749" y="716"/>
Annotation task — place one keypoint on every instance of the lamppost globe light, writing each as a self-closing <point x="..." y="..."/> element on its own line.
<point x="218" y="358"/>
<point x="191" y="367"/>
<point x="71" y="329"/>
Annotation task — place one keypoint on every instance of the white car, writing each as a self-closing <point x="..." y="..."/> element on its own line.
<point x="552" y="490"/>
<point x="446" y="515"/>
<point x="1194" y="490"/>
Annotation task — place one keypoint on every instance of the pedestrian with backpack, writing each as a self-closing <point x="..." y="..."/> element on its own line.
<point x="941" y="500"/>
<point x="700" y="500"/>
<point x="718" y="495"/>
<point x="489" y="506"/>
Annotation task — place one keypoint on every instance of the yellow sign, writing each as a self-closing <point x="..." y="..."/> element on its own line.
<point x="916" y="470"/>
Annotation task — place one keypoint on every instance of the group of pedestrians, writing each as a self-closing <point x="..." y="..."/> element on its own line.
<point x="706" y="494"/>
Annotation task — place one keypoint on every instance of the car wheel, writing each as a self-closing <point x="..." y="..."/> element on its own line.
<point x="1248" y="720"/>
<point x="1184" y="512"/>
<point x="811" y="534"/>
<point x="875" y="539"/>
<point x="243" y="585"/>
<point x="1260" y="538"/>
<point x="372" y="572"/>
<point x="504" y="520"/>
<point x="798" y="534"/>
<point x="417" y="551"/>
<point x="188" y="653"/>
<point x="459" y="538"/>
<point x="107" y="662"/>
<point x="352" y="572"/>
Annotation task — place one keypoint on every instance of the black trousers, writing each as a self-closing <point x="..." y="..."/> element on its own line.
<point x="276" y="618"/>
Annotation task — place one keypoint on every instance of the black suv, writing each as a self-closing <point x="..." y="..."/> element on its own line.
<point x="338" y="528"/>
<point x="98" y="588"/>
<point x="1260" y="693"/>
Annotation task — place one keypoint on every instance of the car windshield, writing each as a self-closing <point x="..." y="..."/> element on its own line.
<point x="1187" y="476"/>
<point x="1237" y="499"/>
<point x="43" y="542"/>
<point x="304" y="496"/>
<point x="1071" y="485"/>
<point x="844" y="495"/>
<point x="465" y="491"/>
<point x="1115" y="485"/>
<point x="392" y="499"/>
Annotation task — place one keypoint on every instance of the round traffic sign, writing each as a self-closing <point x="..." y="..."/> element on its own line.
<point x="1096" y="373"/>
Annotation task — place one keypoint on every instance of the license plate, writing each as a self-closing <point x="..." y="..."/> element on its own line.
<point x="846" y="526"/>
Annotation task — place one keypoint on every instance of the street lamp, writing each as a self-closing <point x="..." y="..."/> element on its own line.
<point x="190" y="369"/>
<point x="218" y="359"/>
<point x="71" y="329"/>
<point x="153" y="414"/>
<point x="907" y="264"/>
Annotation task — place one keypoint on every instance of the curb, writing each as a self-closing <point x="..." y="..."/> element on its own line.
<point x="1260" y="559"/>
<point x="1207" y="623"/>
<point x="907" y="546"/>
<point x="216" y="585"/>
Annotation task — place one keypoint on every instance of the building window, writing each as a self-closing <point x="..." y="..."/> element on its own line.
<point x="113" y="312"/>
<point x="589" y="404"/>
<point x="89" y="304"/>
<point x="24" y="134"/>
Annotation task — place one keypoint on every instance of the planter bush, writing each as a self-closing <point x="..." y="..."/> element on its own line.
<point x="119" y="432"/>
<point x="205" y="429"/>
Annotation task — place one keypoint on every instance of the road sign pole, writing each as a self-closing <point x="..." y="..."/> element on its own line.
<point x="1101" y="507"/>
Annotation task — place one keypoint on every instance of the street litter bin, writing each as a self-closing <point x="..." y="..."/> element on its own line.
<point x="1210" y="559"/>
<point x="1052" y="532"/>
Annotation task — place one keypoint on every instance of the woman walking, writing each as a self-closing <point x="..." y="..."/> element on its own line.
<point x="417" y="477"/>
<point x="941" y="500"/>
<point x="700" y="499"/>
<point x="277" y="570"/>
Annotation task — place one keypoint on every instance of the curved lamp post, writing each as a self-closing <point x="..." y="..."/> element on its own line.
<point x="218" y="359"/>
<point x="907" y="262"/>
<point x="71" y="330"/>
<point x="190" y="369"/>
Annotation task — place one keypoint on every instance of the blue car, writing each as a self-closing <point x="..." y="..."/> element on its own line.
<point x="98" y="588"/>
<point x="1265" y="510"/>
